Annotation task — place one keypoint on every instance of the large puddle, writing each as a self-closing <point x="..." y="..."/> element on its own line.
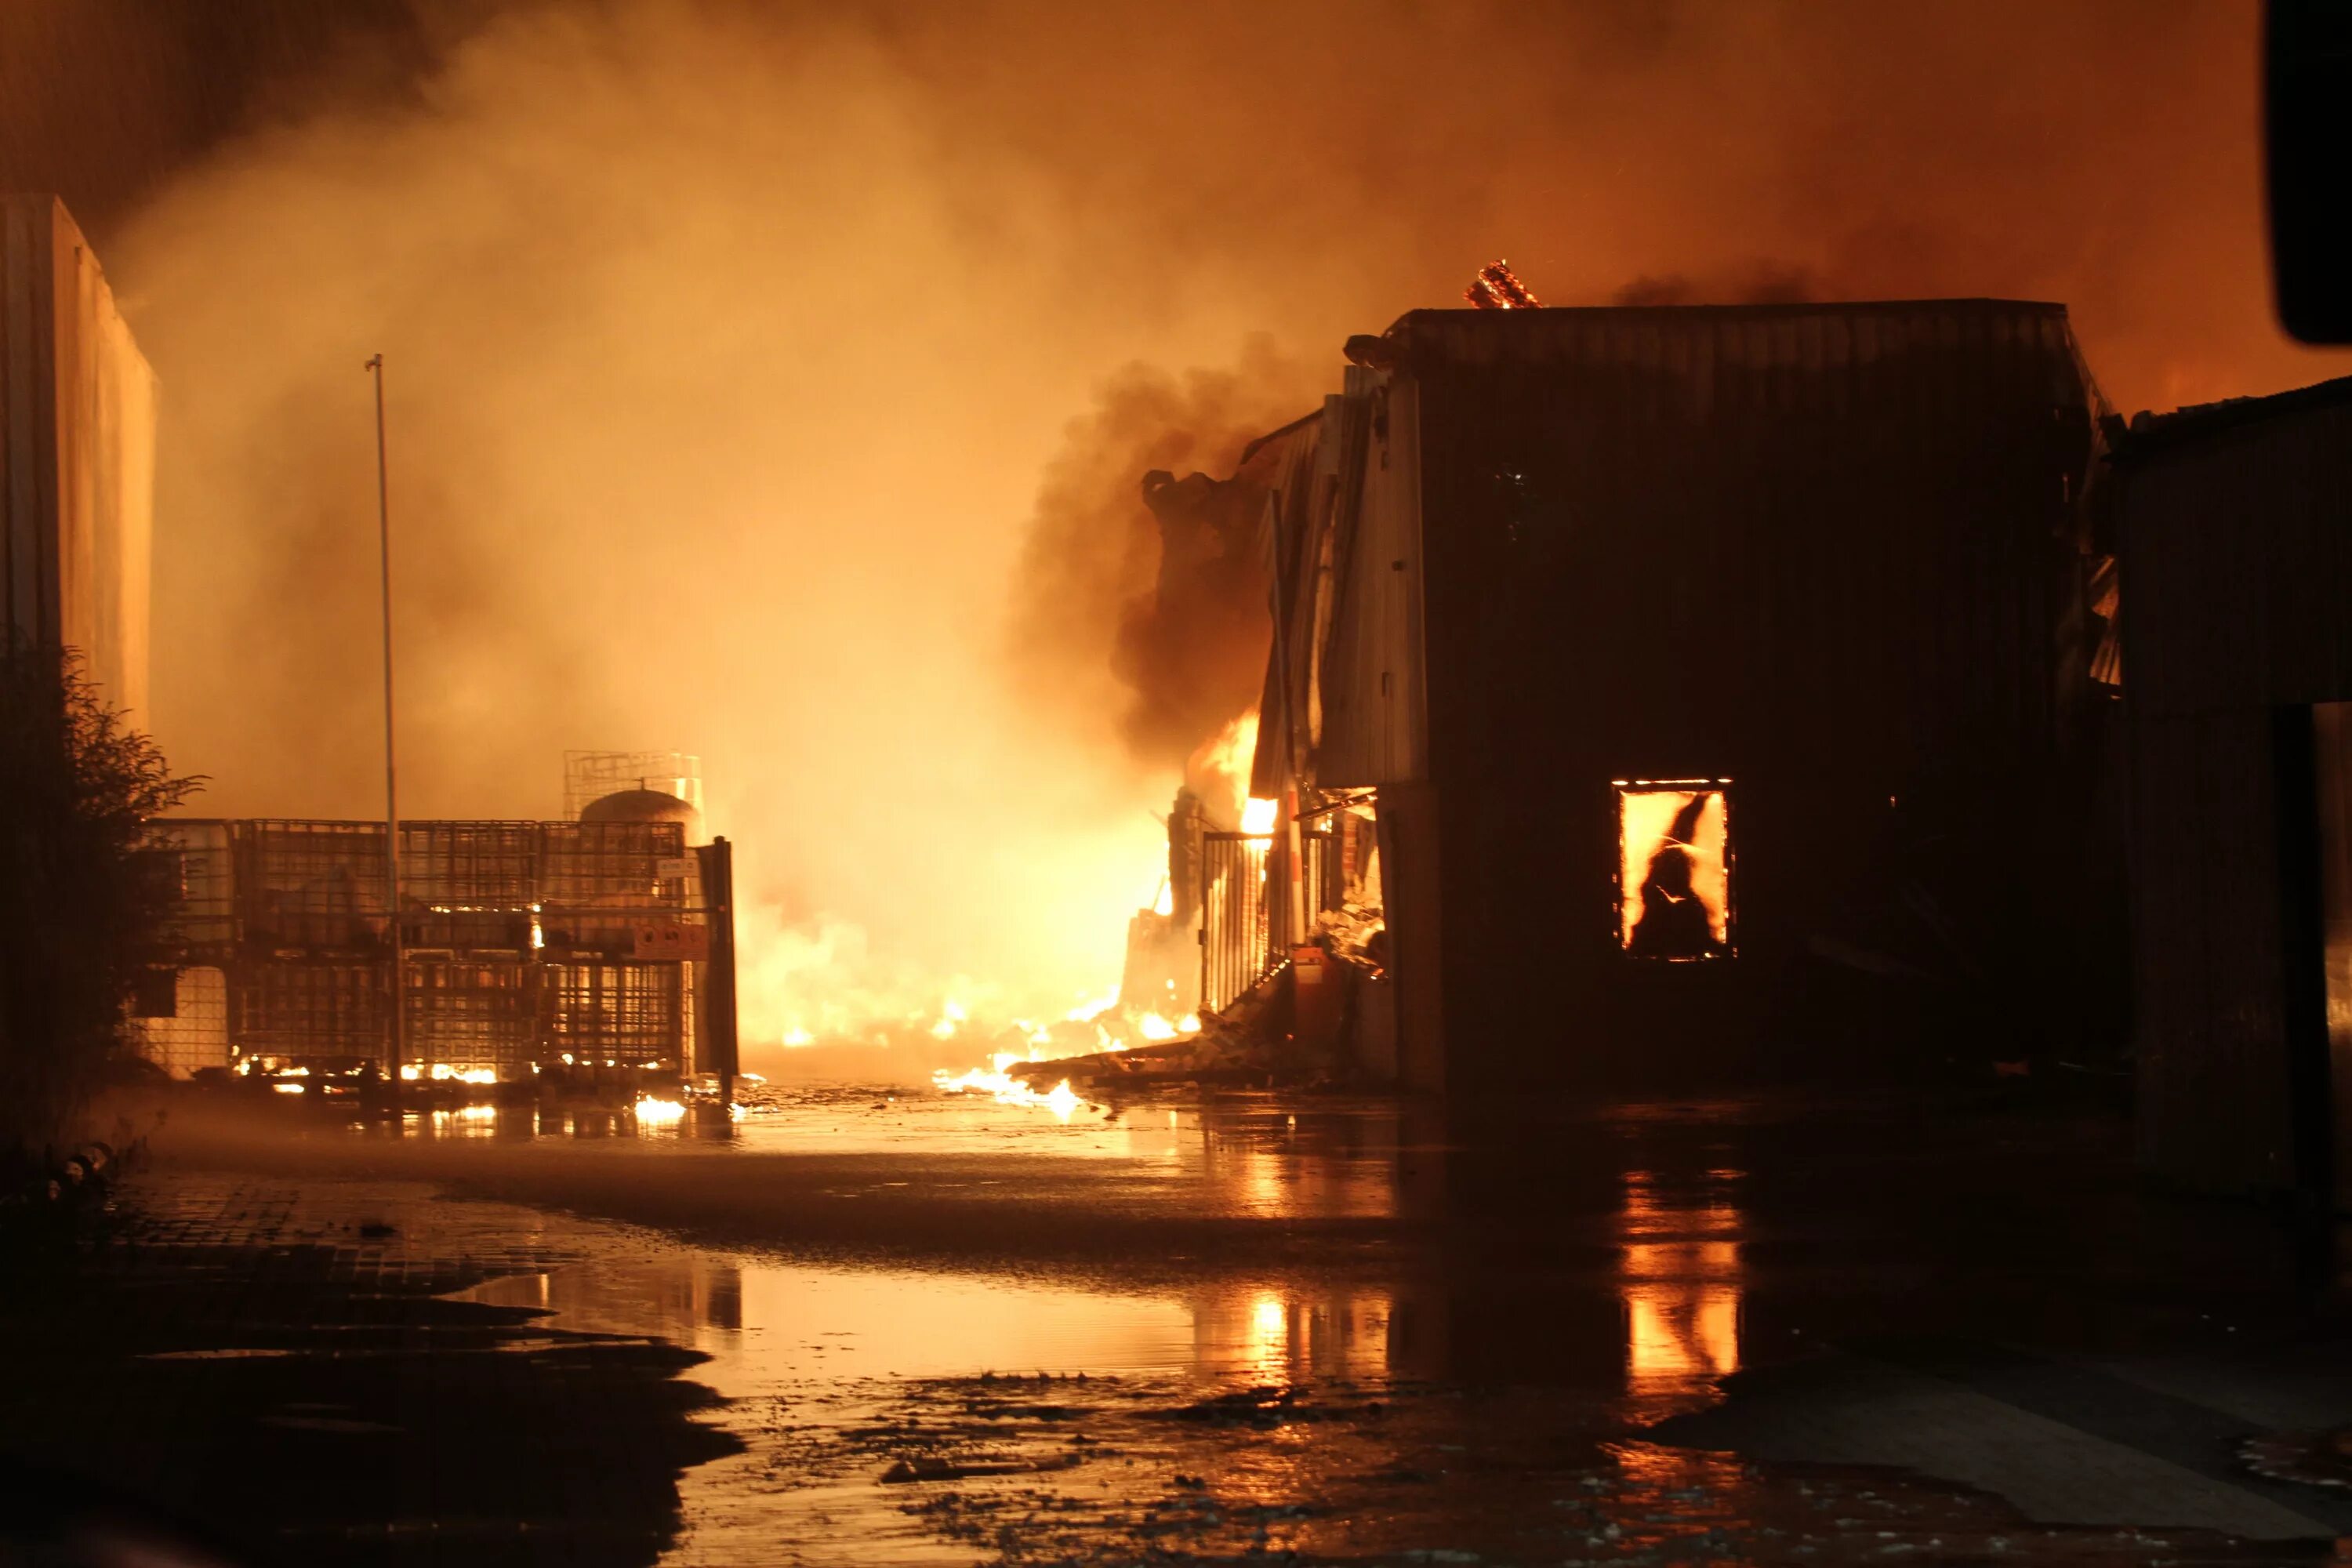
<point x="767" y="1324"/>
<point x="911" y="1416"/>
<point x="1327" y="1329"/>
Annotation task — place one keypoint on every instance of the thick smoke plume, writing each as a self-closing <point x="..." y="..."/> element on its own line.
<point x="1149" y="623"/>
<point x="734" y="351"/>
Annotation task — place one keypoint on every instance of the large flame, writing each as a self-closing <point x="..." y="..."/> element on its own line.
<point x="1219" y="770"/>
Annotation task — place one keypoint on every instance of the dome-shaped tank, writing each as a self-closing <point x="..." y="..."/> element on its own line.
<point x="645" y="805"/>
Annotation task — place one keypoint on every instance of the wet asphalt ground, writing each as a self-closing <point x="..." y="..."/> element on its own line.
<point x="876" y="1326"/>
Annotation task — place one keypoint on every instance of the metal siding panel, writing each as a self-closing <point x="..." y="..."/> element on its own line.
<point x="2237" y="566"/>
<point x="1374" y="729"/>
<point x="2236" y="575"/>
<point x="1850" y="576"/>
<point x="27" y="416"/>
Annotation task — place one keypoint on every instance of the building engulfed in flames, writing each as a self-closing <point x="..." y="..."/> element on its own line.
<point x="1660" y="689"/>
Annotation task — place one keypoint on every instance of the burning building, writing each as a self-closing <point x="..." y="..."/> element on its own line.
<point x="1688" y="687"/>
<point x="77" y="454"/>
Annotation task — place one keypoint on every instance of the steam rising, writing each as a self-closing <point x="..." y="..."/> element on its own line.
<point x="734" y="354"/>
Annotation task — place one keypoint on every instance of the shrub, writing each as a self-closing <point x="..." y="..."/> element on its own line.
<point x="82" y="902"/>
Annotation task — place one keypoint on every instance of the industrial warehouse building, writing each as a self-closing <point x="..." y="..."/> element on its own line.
<point x="2236" y="527"/>
<point x="1718" y="684"/>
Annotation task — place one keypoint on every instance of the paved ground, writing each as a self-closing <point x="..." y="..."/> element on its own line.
<point x="865" y="1329"/>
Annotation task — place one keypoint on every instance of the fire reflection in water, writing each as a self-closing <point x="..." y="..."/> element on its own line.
<point x="764" y="1324"/>
<point x="1271" y="1336"/>
<point x="1680" y="1282"/>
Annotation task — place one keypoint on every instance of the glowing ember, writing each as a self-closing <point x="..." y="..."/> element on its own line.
<point x="1497" y="287"/>
<point x="292" y="1087"/>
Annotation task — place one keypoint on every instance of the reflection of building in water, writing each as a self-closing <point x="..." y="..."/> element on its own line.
<point x="1320" y="1166"/>
<point x="1274" y="1335"/>
<point x="681" y="1298"/>
<point x="1680" y="1282"/>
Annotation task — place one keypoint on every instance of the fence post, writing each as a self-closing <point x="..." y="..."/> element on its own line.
<point x="717" y="858"/>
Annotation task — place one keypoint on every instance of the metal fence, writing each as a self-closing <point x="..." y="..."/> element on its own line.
<point x="520" y="942"/>
<point x="1234" y="929"/>
<point x="1243" y="906"/>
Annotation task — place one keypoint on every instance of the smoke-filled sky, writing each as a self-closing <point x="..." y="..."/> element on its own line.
<point x="735" y="351"/>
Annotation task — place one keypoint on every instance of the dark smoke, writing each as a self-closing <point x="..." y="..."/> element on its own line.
<point x="1143" y="615"/>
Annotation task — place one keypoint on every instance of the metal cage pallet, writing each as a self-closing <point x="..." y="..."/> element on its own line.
<point x="518" y="941"/>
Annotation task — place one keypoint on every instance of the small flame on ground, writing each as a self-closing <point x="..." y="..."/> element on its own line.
<point x="658" y="1112"/>
<point x="1006" y="1090"/>
<point x="442" y="1073"/>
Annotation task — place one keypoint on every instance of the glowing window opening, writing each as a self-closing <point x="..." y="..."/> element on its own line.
<point x="1675" y="869"/>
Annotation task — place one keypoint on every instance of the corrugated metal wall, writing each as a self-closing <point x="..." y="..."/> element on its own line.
<point x="2236" y="529"/>
<point x="1832" y="552"/>
<point x="2238" y="565"/>
<point x="1373" y="692"/>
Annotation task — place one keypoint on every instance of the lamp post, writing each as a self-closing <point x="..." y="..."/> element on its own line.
<point x="399" y="1041"/>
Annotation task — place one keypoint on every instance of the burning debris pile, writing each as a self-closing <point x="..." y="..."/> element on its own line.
<point x="1191" y="1005"/>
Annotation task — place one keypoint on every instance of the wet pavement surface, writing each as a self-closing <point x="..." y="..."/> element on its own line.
<point x="860" y="1326"/>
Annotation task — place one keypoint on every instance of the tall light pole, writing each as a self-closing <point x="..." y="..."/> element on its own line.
<point x="399" y="1043"/>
